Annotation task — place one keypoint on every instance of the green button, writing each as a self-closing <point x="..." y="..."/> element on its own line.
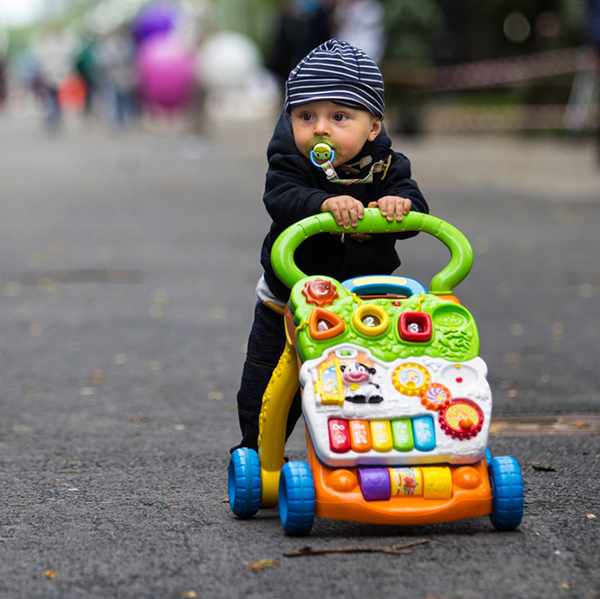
<point x="402" y="434"/>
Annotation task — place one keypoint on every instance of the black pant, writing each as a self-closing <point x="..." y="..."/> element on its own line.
<point x="265" y="346"/>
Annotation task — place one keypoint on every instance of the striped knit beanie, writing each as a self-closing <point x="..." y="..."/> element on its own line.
<point x="338" y="72"/>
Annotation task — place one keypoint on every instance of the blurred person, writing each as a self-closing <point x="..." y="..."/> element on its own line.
<point x="335" y="93"/>
<point x="302" y="26"/>
<point x="3" y="83"/>
<point x="116" y="56"/>
<point x="86" y="65"/>
<point x="360" y="23"/>
<point x="29" y="76"/>
<point x="413" y="31"/>
<point x="53" y="51"/>
<point x="593" y="9"/>
<point x="3" y="65"/>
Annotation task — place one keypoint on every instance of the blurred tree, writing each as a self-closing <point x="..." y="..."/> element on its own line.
<point x="412" y="27"/>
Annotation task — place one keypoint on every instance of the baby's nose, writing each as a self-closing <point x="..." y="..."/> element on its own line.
<point x="322" y="127"/>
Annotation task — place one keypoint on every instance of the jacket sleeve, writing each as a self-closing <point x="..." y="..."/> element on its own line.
<point x="398" y="182"/>
<point x="288" y="195"/>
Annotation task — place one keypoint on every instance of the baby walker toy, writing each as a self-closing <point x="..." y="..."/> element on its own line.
<point x="394" y="396"/>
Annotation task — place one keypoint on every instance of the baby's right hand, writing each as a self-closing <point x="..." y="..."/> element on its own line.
<point x="346" y="210"/>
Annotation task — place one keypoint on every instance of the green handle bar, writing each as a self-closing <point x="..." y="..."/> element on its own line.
<point x="461" y="253"/>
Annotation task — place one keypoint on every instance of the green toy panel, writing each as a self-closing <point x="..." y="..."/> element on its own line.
<point x="325" y="313"/>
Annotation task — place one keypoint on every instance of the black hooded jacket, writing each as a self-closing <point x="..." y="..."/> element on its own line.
<point x="295" y="189"/>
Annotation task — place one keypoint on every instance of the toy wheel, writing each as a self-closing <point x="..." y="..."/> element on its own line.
<point x="244" y="482"/>
<point x="488" y="457"/>
<point x="507" y="489"/>
<point x="296" y="498"/>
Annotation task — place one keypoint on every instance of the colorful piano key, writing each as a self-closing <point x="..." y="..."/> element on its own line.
<point x="360" y="435"/>
<point x="424" y="433"/>
<point x="339" y="435"/>
<point x="402" y="434"/>
<point x="381" y="435"/>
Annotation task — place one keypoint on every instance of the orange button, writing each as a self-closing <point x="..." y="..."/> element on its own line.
<point x="360" y="435"/>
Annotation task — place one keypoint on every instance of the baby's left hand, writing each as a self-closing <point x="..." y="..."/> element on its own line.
<point x="391" y="206"/>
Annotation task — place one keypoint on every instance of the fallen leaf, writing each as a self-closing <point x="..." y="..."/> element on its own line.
<point x="161" y="299"/>
<point x="563" y="585"/>
<point x="12" y="289"/>
<point x="590" y="516"/>
<point x="513" y="358"/>
<point x="97" y="377"/>
<point x="263" y="563"/>
<point x="188" y="594"/>
<point x="51" y="573"/>
<point x="31" y="385"/>
<point x="218" y="312"/>
<point x="35" y="330"/>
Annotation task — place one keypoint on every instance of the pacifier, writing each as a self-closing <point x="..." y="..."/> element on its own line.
<point x="322" y="150"/>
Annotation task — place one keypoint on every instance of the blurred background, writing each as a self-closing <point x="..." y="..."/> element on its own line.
<point x="133" y="140"/>
<point x="494" y="65"/>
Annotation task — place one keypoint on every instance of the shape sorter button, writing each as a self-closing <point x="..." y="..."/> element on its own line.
<point x="381" y="435"/>
<point x="424" y="433"/>
<point x="339" y="435"/>
<point x="360" y="435"/>
<point x="402" y="434"/>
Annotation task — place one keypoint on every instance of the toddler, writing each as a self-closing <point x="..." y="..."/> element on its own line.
<point x="334" y="95"/>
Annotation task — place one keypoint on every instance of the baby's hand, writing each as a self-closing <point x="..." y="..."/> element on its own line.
<point x="391" y="206"/>
<point x="345" y="209"/>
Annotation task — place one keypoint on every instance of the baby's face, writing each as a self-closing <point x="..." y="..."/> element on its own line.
<point x="349" y="127"/>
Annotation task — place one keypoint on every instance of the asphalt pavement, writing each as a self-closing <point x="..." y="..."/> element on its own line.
<point x="128" y="262"/>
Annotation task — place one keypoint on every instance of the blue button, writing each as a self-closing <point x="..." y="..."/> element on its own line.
<point x="424" y="433"/>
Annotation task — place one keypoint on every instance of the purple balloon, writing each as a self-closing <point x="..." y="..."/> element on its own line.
<point x="166" y="72"/>
<point x="158" y="18"/>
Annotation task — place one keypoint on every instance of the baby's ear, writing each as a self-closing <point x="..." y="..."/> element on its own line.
<point x="375" y="128"/>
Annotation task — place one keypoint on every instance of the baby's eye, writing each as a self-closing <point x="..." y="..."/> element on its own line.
<point x="339" y="117"/>
<point x="305" y="116"/>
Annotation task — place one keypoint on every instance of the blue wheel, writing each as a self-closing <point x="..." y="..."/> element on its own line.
<point x="488" y="457"/>
<point x="507" y="489"/>
<point x="244" y="482"/>
<point x="296" y="498"/>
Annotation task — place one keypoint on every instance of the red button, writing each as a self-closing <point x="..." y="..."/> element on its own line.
<point x="339" y="435"/>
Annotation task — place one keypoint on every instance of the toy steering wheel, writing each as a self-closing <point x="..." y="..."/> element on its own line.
<point x="461" y="253"/>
